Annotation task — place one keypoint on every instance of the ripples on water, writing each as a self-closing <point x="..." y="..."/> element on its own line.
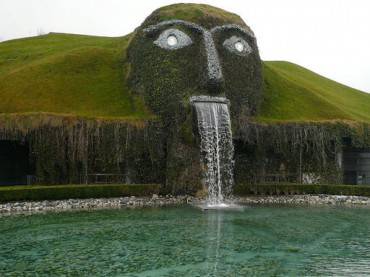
<point x="186" y="241"/>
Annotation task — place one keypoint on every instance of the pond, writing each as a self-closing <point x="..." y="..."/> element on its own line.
<point x="186" y="241"/>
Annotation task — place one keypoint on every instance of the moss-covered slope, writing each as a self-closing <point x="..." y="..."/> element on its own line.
<point x="86" y="76"/>
<point x="204" y="15"/>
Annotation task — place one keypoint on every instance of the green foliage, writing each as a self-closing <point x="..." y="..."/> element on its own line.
<point x="204" y="15"/>
<point x="293" y="93"/>
<point x="167" y="79"/>
<point x="35" y="193"/>
<point x="64" y="149"/>
<point x="291" y="188"/>
<point x="290" y="149"/>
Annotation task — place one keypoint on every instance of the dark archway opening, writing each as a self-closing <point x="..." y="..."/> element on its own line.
<point x="15" y="166"/>
<point x="356" y="166"/>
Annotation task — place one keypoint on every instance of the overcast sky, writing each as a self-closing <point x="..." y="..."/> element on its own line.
<point x="330" y="37"/>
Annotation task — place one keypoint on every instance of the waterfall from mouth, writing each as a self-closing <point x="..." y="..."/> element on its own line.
<point x="216" y="146"/>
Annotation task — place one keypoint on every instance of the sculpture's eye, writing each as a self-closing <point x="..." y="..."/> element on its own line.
<point x="173" y="39"/>
<point x="238" y="46"/>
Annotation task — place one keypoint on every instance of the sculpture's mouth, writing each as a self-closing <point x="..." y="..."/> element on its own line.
<point x="209" y="99"/>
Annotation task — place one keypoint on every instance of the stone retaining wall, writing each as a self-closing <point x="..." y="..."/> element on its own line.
<point x="158" y="201"/>
<point x="92" y="204"/>
<point x="306" y="200"/>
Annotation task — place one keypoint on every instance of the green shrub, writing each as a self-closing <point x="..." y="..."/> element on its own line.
<point x="18" y="193"/>
<point x="293" y="188"/>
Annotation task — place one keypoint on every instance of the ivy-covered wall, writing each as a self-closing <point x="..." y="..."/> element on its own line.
<point x="295" y="152"/>
<point x="64" y="149"/>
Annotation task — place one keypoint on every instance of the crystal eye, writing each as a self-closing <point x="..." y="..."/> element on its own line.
<point x="237" y="46"/>
<point x="172" y="39"/>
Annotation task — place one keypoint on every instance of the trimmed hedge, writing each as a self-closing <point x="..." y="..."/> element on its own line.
<point x="18" y="193"/>
<point x="292" y="188"/>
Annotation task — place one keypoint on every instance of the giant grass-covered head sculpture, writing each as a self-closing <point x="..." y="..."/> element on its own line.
<point x="185" y="50"/>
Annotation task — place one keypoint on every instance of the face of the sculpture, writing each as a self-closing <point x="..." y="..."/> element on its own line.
<point x="172" y="60"/>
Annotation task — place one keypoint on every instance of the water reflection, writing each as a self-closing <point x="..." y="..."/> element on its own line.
<point x="215" y="228"/>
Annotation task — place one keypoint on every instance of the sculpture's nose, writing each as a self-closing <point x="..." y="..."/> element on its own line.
<point x="214" y="71"/>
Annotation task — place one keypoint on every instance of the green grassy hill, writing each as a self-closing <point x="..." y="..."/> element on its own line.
<point x="296" y="94"/>
<point x="67" y="74"/>
<point x="85" y="76"/>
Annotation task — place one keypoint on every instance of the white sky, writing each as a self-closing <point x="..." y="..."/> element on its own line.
<point x="330" y="37"/>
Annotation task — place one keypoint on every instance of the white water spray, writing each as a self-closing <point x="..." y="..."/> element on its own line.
<point x="216" y="147"/>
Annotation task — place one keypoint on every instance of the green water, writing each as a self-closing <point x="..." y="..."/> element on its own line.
<point x="185" y="241"/>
